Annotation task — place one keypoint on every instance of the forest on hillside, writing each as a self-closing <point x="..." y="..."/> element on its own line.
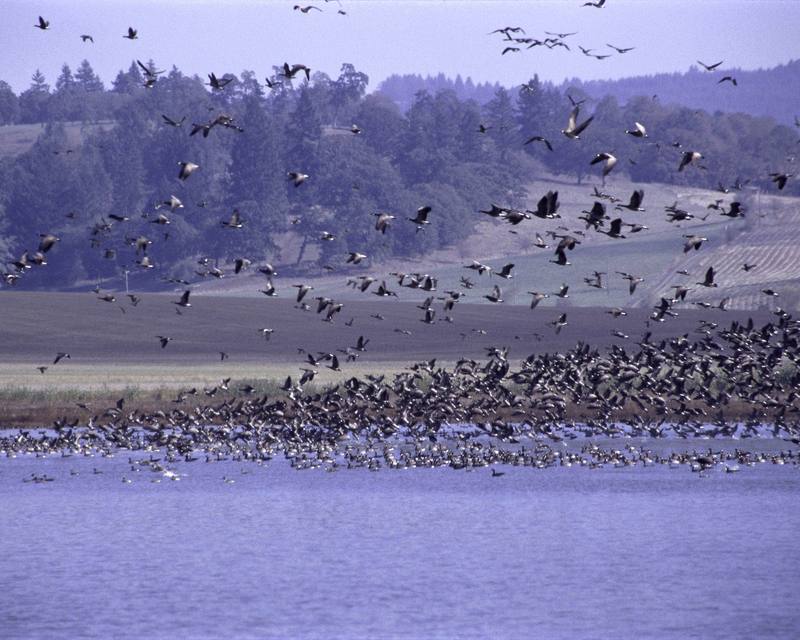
<point x="111" y="199"/>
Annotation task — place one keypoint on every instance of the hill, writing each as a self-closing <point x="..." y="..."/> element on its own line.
<point x="762" y="92"/>
<point x="768" y="236"/>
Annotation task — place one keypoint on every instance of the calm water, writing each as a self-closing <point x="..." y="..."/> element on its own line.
<point x="425" y="553"/>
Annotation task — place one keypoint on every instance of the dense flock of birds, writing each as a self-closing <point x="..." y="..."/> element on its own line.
<point x="475" y="413"/>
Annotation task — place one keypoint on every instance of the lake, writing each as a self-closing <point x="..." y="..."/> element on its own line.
<point x="563" y="552"/>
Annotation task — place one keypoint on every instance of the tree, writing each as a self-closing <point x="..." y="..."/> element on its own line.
<point x="9" y="104"/>
<point x="502" y="124"/>
<point x="87" y="79"/>
<point x="34" y="101"/>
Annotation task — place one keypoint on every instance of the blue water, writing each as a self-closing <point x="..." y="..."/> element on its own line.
<point x="425" y="553"/>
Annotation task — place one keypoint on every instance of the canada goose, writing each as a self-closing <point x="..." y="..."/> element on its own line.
<point x="305" y="9"/>
<point x="505" y="272"/>
<point x="302" y="290"/>
<point x="355" y="257"/>
<point x="184" y="299"/>
<point x="87" y="38"/>
<point x="160" y="219"/>
<point x="574" y="130"/>
<point x="559" y="323"/>
<point x="60" y="356"/>
<point x="382" y="221"/>
<point x="770" y="292"/>
<point x="610" y="162"/>
<point x="561" y="258"/>
<point x="290" y="72"/>
<point x="748" y="267"/>
<point x="780" y="179"/>
<point x="164" y="340"/>
<point x="132" y="34"/>
<point x="547" y="207"/>
<point x="47" y="242"/>
<point x="537" y="298"/>
<point x="510" y="50"/>
<point x="43" y="24"/>
<point x="710" y="67"/>
<point x="42" y="369"/>
<point x="632" y="281"/>
<point x="693" y="242"/>
<point x="638" y="130"/>
<point x="689" y="157"/>
<point x="266" y="332"/>
<point x="708" y="281"/>
<point x="241" y="264"/>
<point x="422" y="217"/>
<point x="496" y="295"/>
<point x="594" y="217"/>
<point x="730" y="79"/>
<point x="297" y="178"/>
<point x="735" y="211"/>
<point x="539" y="139"/>
<point x="187" y="169"/>
<point x="430" y="316"/>
<point x="234" y="222"/>
<point x="635" y="202"/>
<point x="145" y="262"/>
<point x="218" y="84"/>
<point x="620" y="49"/>
<point x="479" y="267"/>
<point x="269" y="290"/>
<point x="173" y="203"/>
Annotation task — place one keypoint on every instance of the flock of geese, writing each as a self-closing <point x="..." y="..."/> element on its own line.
<point x="724" y="383"/>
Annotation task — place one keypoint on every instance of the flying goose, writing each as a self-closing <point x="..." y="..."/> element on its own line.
<point x="187" y="169"/>
<point x="43" y="24"/>
<point x="573" y="129"/>
<point x="132" y="34"/>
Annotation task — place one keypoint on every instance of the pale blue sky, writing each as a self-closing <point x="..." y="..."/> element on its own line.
<point x="384" y="37"/>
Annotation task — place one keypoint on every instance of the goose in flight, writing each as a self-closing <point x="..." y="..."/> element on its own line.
<point x="184" y="299"/>
<point x="87" y="38"/>
<point x="297" y="178"/>
<point x="132" y="34"/>
<point x="47" y="242"/>
<point x="382" y="221"/>
<point x="710" y="67"/>
<point x="541" y="139"/>
<point x="218" y="84"/>
<point x="635" y="202"/>
<point x="422" y="217"/>
<point x="638" y="131"/>
<point x="42" y="24"/>
<point x="693" y="242"/>
<point x="187" y="169"/>
<point x="632" y="281"/>
<point x="708" y="281"/>
<point x="573" y="129"/>
<point x="305" y="9"/>
<point x="537" y="298"/>
<point x="496" y="295"/>
<point x="559" y="323"/>
<point x="689" y="157"/>
<point x="610" y="161"/>
<point x="234" y="222"/>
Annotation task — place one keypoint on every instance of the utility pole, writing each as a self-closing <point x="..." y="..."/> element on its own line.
<point x="126" y="281"/>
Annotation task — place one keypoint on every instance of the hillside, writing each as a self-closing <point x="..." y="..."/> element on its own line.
<point x="761" y="92"/>
<point x="769" y="236"/>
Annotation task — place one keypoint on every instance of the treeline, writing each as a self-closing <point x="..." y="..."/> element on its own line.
<point x="101" y="197"/>
<point x="763" y="92"/>
<point x="402" y="89"/>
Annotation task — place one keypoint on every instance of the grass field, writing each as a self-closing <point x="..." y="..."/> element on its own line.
<point x="114" y="353"/>
<point x="768" y="237"/>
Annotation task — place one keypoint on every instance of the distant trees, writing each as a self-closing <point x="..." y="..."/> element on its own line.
<point x="103" y="191"/>
<point x="9" y="104"/>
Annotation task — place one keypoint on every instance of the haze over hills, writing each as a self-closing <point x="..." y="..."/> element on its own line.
<point x="769" y="92"/>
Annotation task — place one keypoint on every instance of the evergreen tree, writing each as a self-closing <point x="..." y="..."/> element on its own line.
<point x="9" y="104"/>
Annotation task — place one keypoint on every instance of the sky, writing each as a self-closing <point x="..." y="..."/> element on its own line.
<point x="384" y="37"/>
